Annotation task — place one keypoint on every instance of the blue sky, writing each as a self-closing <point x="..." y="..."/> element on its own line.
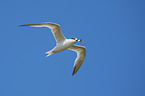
<point x="114" y="35"/>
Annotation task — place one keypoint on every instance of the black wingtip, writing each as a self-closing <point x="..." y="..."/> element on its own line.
<point x="74" y="71"/>
<point x="72" y="74"/>
<point x="22" y="25"/>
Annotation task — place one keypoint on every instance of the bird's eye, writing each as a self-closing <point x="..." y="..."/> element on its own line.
<point x="73" y="38"/>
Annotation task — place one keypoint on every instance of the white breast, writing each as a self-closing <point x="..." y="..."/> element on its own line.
<point x="64" y="45"/>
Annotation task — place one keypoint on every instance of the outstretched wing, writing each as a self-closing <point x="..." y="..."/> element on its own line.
<point x="81" y="54"/>
<point x="55" y="28"/>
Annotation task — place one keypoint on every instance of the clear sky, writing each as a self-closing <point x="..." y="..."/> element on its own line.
<point x="114" y="35"/>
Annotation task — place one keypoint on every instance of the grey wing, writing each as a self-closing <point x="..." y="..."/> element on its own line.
<point x="55" y="28"/>
<point x="81" y="54"/>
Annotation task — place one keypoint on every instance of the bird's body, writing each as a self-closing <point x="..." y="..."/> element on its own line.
<point x="61" y="46"/>
<point x="62" y="43"/>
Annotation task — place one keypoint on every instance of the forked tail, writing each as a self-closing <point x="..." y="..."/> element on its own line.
<point x="49" y="53"/>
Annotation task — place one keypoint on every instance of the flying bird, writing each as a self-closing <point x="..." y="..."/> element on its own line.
<point x="63" y="43"/>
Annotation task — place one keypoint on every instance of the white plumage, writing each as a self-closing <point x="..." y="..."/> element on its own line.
<point x="62" y="43"/>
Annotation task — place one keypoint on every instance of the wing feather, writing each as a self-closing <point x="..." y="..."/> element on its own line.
<point x="81" y="54"/>
<point x="55" y="28"/>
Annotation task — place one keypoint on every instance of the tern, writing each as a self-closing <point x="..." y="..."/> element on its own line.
<point x="63" y="43"/>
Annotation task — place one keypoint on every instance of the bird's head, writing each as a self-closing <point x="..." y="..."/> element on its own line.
<point x="77" y="40"/>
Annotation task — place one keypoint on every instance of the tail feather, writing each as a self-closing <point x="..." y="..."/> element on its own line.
<point x="49" y="53"/>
